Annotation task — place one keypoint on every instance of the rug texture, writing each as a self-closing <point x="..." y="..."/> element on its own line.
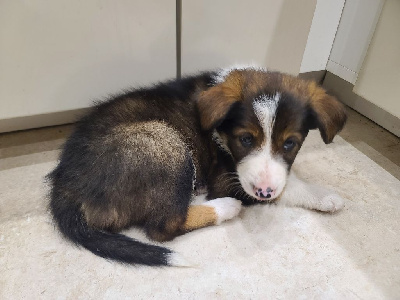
<point x="269" y="252"/>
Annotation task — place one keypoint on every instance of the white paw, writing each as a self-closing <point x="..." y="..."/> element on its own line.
<point x="331" y="203"/>
<point x="225" y="208"/>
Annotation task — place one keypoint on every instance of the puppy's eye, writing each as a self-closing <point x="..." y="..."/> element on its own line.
<point x="246" y="140"/>
<point x="289" y="145"/>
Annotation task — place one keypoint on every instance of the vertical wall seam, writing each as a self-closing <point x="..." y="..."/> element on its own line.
<point x="178" y="38"/>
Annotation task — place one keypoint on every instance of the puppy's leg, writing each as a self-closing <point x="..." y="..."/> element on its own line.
<point x="212" y="212"/>
<point x="170" y="204"/>
<point x="300" y="193"/>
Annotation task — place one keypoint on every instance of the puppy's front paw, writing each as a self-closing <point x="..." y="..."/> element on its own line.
<point x="225" y="208"/>
<point x="331" y="203"/>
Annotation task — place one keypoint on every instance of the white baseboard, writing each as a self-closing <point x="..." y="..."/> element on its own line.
<point x="42" y="120"/>
<point x="344" y="91"/>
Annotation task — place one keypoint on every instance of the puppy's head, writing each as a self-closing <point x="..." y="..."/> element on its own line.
<point x="262" y="118"/>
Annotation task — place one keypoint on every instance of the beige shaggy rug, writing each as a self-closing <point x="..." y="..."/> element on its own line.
<point x="269" y="252"/>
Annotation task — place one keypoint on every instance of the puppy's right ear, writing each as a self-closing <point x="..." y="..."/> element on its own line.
<point x="214" y="104"/>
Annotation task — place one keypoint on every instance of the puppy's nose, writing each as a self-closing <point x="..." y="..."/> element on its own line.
<point x="263" y="192"/>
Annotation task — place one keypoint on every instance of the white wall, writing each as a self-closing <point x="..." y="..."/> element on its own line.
<point x="61" y="55"/>
<point x="379" y="78"/>
<point x="322" y="34"/>
<point x="271" y="33"/>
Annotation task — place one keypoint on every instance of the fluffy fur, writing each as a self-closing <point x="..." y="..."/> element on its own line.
<point x="141" y="157"/>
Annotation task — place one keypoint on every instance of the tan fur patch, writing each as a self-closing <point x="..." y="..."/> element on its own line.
<point x="214" y="103"/>
<point x="172" y="228"/>
<point x="254" y="130"/>
<point x="290" y="133"/>
<point x="199" y="216"/>
<point x="249" y="128"/>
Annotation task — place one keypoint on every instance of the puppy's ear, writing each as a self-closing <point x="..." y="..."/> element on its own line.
<point x="330" y="115"/>
<point x="214" y="104"/>
<point x="327" y="113"/>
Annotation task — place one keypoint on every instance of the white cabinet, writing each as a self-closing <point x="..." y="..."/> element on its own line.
<point x="353" y="36"/>
<point x="57" y="57"/>
<point x="271" y="33"/>
<point x="61" y="55"/>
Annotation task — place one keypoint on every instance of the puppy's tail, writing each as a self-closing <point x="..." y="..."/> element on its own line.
<point x="114" y="246"/>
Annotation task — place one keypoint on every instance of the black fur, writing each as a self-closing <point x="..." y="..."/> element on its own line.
<point x="102" y="243"/>
<point x="92" y="171"/>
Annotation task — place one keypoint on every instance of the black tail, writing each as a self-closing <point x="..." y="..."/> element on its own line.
<point x="71" y="223"/>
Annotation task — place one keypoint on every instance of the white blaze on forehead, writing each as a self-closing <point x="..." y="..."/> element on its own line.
<point x="265" y="109"/>
<point x="260" y="168"/>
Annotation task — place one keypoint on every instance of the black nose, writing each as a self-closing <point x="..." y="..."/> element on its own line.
<point x="261" y="194"/>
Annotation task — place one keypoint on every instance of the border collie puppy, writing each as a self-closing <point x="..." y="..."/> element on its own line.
<point x="142" y="157"/>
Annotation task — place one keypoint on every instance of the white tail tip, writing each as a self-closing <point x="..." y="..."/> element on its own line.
<point x="177" y="260"/>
